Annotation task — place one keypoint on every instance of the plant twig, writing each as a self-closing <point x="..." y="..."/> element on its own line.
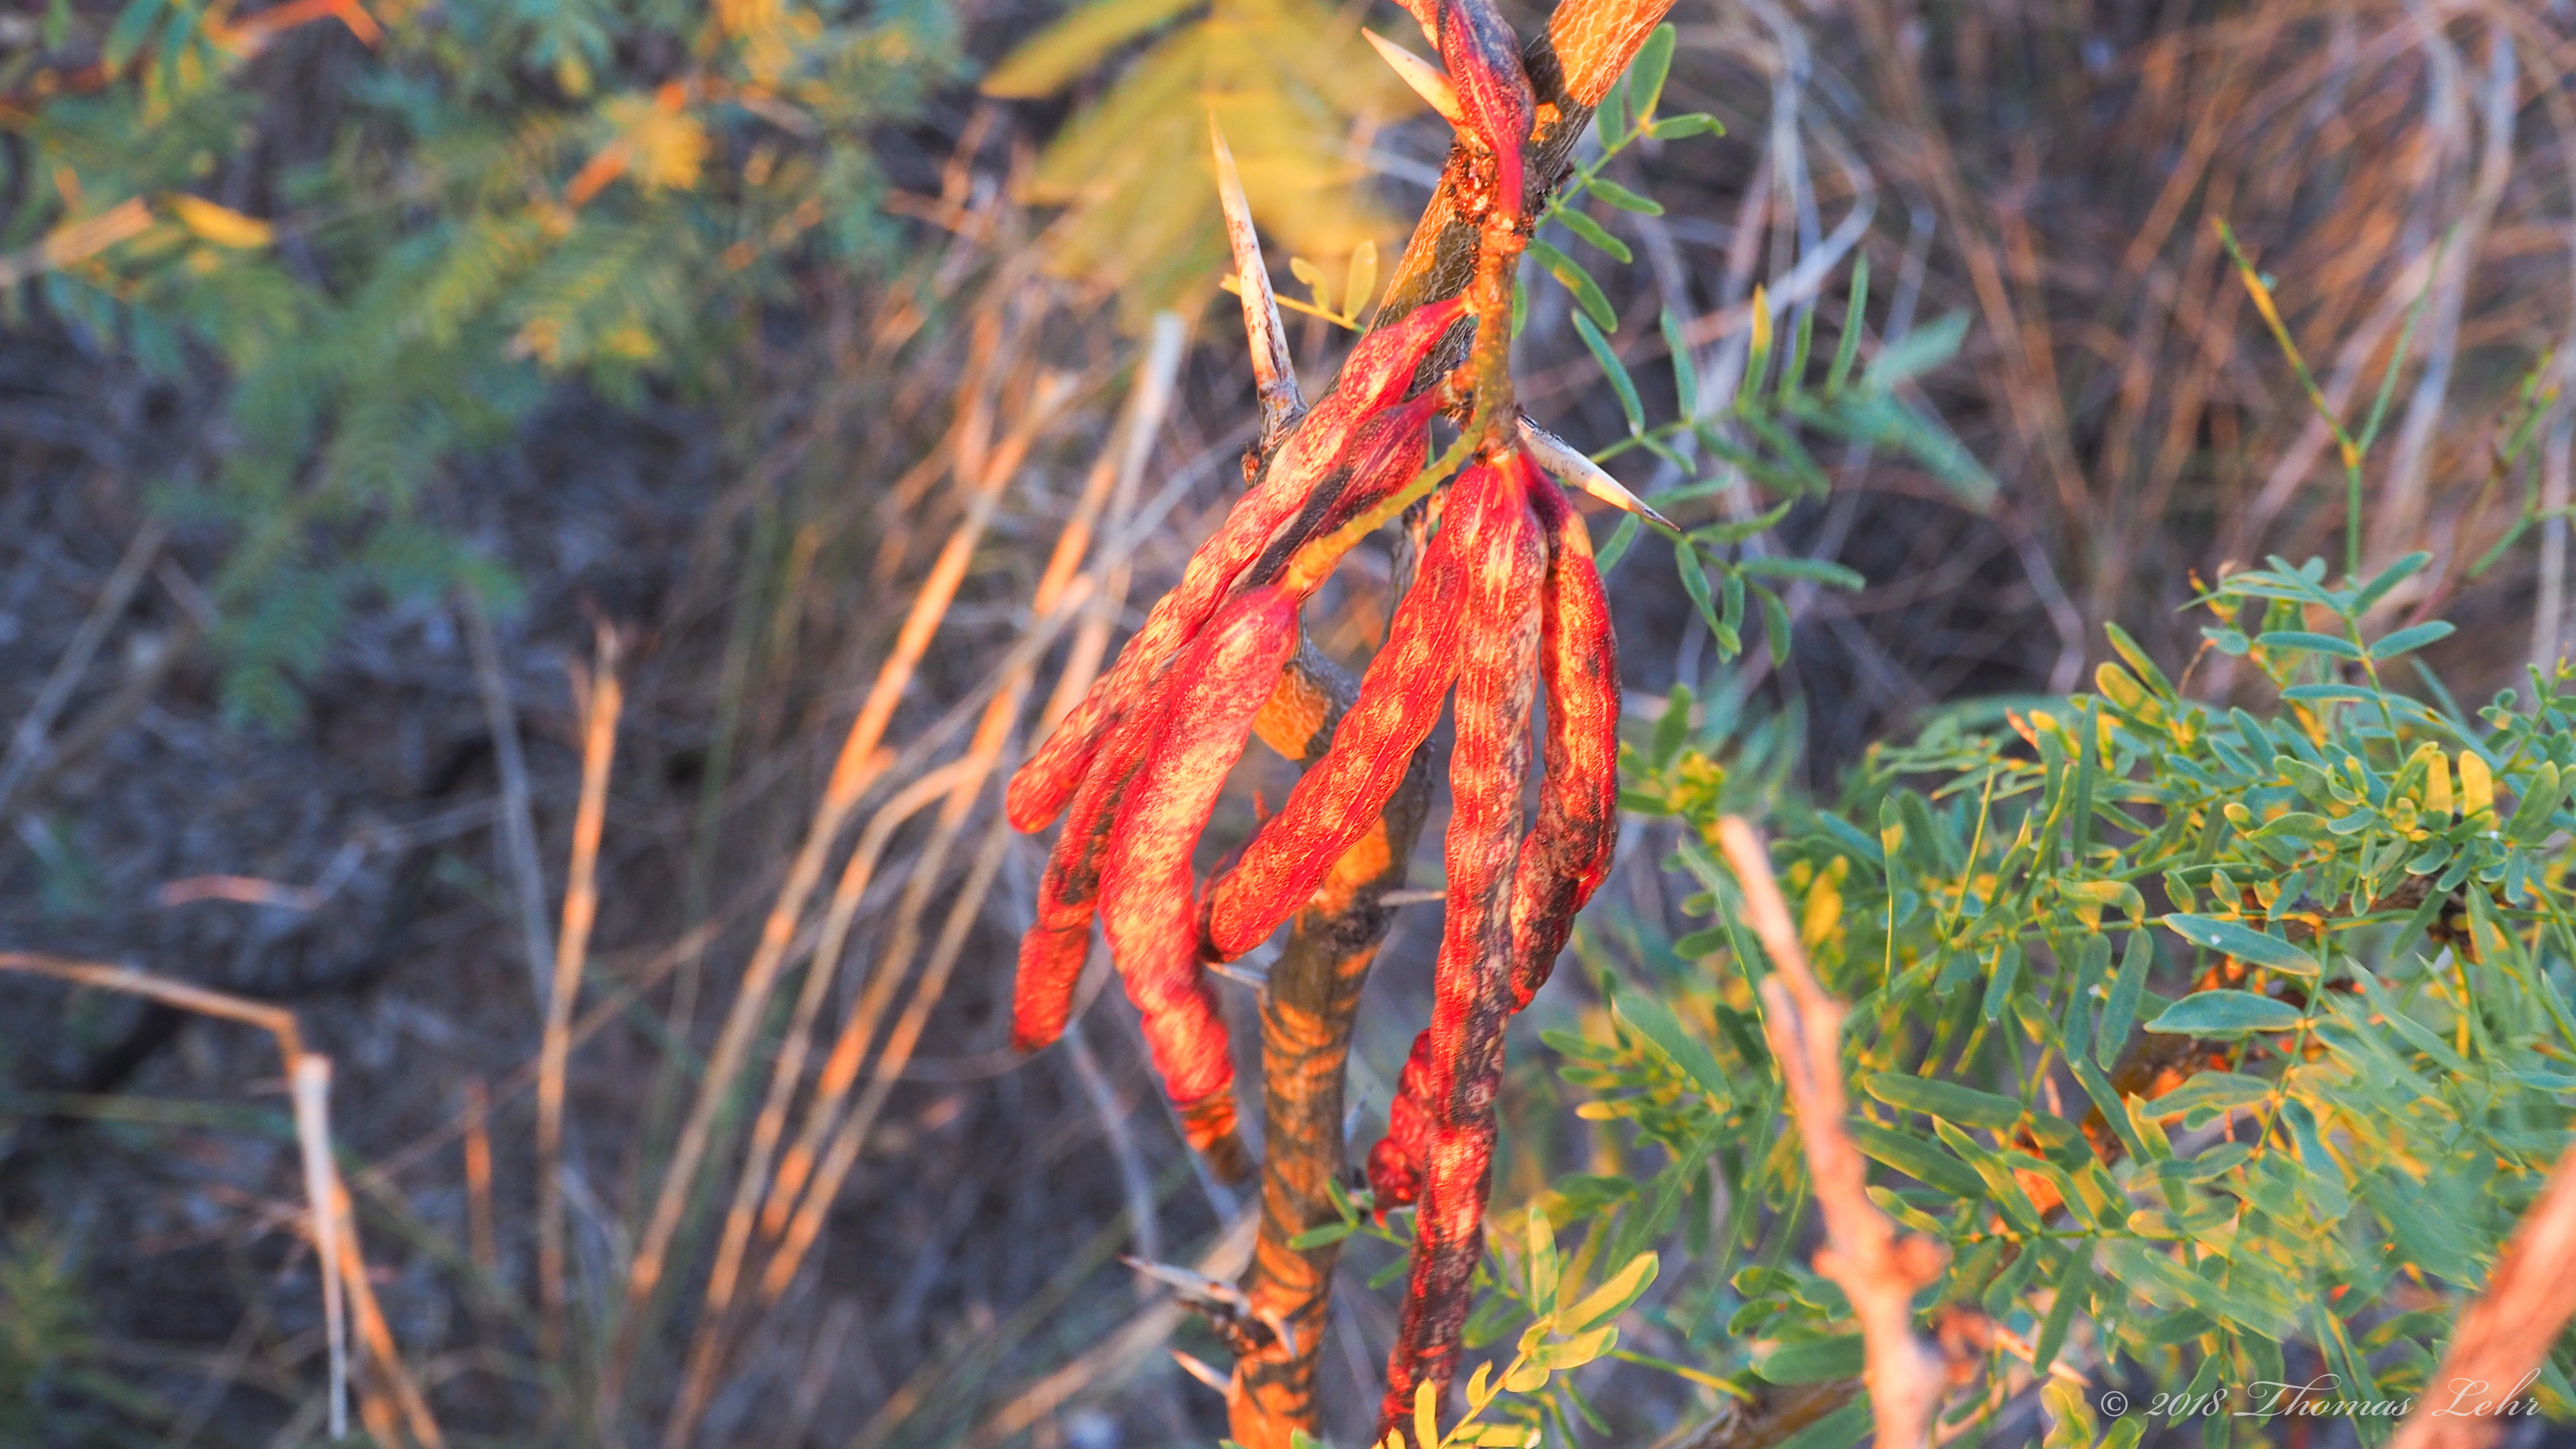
<point x="334" y="1230"/>
<point x="2503" y="1338"/>
<point x="1878" y="1269"/>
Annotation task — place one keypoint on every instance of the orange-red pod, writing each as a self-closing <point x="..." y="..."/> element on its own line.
<point x="1568" y="851"/>
<point x="1483" y="58"/>
<point x="1377" y="374"/>
<point x="1052" y="951"/>
<point x="1472" y="989"/>
<point x="1146" y="899"/>
<point x="1395" y="1163"/>
<point x="1399" y="701"/>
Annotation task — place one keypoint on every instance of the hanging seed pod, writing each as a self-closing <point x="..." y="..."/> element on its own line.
<point x="1472" y="993"/>
<point x="1146" y="900"/>
<point x="1052" y="951"/>
<point x="1395" y="1163"/>
<point x="1568" y="851"/>
<point x="1399" y="701"/>
<point x="1377" y="374"/>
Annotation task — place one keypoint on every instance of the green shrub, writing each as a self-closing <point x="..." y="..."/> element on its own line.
<point x="499" y="198"/>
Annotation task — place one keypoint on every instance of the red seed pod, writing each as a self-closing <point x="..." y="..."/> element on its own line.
<point x="1385" y="452"/>
<point x="1568" y="851"/>
<point x="1052" y="952"/>
<point x="1399" y="701"/>
<point x="1146" y="900"/>
<point x="1042" y="994"/>
<point x="1483" y="58"/>
<point x="1376" y="375"/>
<point x="1472" y="995"/>
<point x="1395" y="1163"/>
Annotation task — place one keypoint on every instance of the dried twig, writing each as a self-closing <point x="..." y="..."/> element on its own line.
<point x="2500" y="1343"/>
<point x="333" y="1228"/>
<point x="1878" y="1269"/>
<point x="601" y="700"/>
<point x="518" y="818"/>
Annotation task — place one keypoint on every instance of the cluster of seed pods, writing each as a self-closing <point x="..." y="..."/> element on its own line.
<point x="1506" y="605"/>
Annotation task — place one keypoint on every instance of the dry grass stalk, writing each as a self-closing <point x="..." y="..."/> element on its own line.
<point x="481" y="1244"/>
<point x="340" y="1263"/>
<point x="1877" y="1268"/>
<point x="600" y="699"/>
<point x="858" y="766"/>
<point x="383" y="1357"/>
<point x="807" y="1225"/>
<point x="2502" y="1339"/>
<point x="27" y="743"/>
<point x="309" y="1081"/>
<point x="1059" y="590"/>
<point x="518" y="815"/>
<point x="1141" y="1338"/>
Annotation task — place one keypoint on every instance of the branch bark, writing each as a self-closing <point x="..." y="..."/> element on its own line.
<point x="2498" y="1348"/>
<point x="1877" y="1268"/>
<point x="1307" y="1013"/>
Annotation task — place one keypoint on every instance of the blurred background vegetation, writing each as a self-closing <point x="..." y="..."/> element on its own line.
<point x="360" y="358"/>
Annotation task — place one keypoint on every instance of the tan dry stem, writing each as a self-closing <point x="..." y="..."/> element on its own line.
<point x="601" y="701"/>
<point x="2503" y="1338"/>
<point x="860" y="762"/>
<point x="1877" y="1268"/>
<point x="333" y="1228"/>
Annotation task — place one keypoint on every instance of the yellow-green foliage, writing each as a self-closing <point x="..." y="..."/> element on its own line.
<point x="1291" y="83"/>
<point x="2354" y="901"/>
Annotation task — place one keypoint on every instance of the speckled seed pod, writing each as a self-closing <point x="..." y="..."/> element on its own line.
<point x="1384" y="453"/>
<point x="1472" y="995"/>
<point x="1484" y="62"/>
<point x="1568" y="850"/>
<point x="1146" y="900"/>
<point x="1377" y="374"/>
<point x="1399" y="701"/>
<point x="1052" y="952"/>
<point x="1395" y="1163"/>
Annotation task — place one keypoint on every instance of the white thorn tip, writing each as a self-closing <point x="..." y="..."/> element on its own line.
<point x="1274" y="373"/>
<point x="1570" y="466"/>
<point x="1204" y="1373"/>
<point x="1428" y="80"/>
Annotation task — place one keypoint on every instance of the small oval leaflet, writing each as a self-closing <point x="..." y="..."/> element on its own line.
<point x="2242" y="942"/>
<point x="1964" y="1105"/>
<point x="2224" y="1013"/>
<point x="1814" y="1361"/>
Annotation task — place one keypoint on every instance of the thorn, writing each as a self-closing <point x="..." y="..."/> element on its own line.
<point x="1256" y="977"/>
<point x="1279" y="1326"/>
<point x="1273" y="374"/>
<point x="1196" y="1285"/>
<point x="1428" y="81"/>
<point x="1569" y="465"/>
<point x="1204" y="1374"/>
